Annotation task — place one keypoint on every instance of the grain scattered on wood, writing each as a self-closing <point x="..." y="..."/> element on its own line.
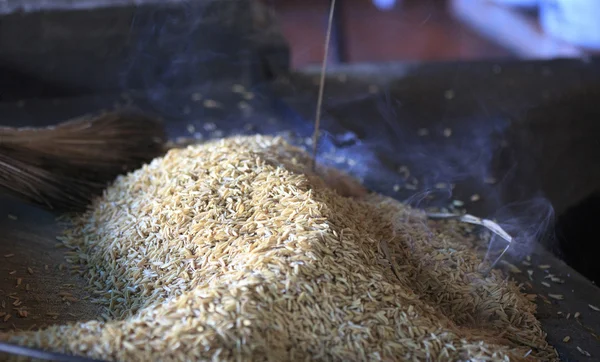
<point x="511" y="267"/>
<point x="238" y="88"/>
<point x="593" y="307"/>
<point x="554" y="279"/>
<point x="209" y="126"/>
<point x="584" y="352"/>
<point x="490" y="180"/>
<point x="566" y="339"/>
<point x="530" y="274"/>
<point x="234" y="250"/>
<point x="556" y="296"/>
<point x="210" y="103"/>
<point x="458" y="203"/>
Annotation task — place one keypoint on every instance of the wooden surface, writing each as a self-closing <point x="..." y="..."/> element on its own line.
<point x="531" y="125"/>
<point x="289" y="108"/>
<point x="29" y="256"/>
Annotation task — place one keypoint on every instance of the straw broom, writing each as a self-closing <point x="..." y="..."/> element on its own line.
<point x="63" y="167"/>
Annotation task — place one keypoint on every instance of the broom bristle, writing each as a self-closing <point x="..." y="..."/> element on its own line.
<point x="64" y="166"/>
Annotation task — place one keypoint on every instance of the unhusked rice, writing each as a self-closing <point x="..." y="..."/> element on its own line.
<point x="230" y="250"/>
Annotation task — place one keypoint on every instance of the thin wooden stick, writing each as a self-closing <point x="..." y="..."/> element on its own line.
<point x="322" y="86"/>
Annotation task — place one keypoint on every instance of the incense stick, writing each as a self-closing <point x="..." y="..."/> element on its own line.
<point x="322" y="86"/>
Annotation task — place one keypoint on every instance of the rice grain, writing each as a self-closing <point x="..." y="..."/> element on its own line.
<point x="234" y="251"/>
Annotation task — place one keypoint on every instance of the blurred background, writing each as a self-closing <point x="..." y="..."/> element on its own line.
<point x="438" y="30"/>
<point x="484" y="106"/>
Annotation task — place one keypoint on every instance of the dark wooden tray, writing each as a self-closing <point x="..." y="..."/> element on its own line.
<point x="357" y="102"/>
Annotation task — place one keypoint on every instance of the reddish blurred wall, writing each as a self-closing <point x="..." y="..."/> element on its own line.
<point x="414" y="30"/>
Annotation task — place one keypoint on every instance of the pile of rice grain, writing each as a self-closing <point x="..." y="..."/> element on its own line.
<point x="229" y="251"/>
